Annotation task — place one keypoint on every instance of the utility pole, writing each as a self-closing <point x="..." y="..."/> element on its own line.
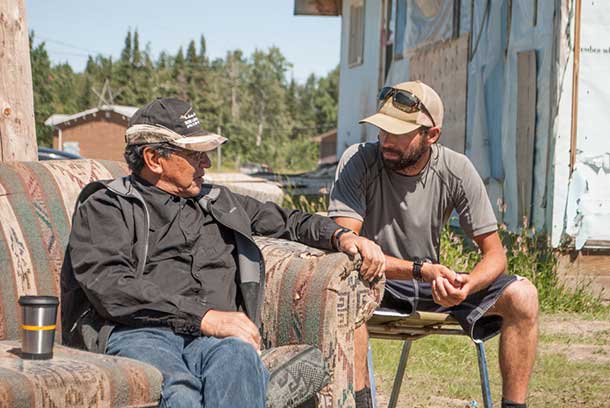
<point x="17" y="126"/>
<point x="219" y="151"/>
<point x="234" y="77"/>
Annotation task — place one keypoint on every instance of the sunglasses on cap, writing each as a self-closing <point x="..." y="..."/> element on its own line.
<point x="404" y="101"/>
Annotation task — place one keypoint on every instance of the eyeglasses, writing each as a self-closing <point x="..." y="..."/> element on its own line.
<point x="189" y="154"/>
<point x="404" y="101"/>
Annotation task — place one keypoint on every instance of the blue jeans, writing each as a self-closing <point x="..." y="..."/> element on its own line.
<point x="197" y="371"/>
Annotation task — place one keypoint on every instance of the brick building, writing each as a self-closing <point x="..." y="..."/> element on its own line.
<point x="97" y="133"/>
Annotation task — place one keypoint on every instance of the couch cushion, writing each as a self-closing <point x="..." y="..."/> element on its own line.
<point x="297" y="373"/>
<point x="36" y="204"/>
<point x="74" y="378"/>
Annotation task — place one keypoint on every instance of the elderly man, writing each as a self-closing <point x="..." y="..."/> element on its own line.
<point x="400" y="192"/>
<point x="163" y="269"/>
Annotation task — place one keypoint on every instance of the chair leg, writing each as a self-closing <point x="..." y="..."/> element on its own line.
<point x="400" y="373"/>
<point x="369" y="360"/>
<point x="487" y="403"/>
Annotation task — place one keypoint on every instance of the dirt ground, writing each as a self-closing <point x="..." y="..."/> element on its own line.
<point x="577" y="340"/>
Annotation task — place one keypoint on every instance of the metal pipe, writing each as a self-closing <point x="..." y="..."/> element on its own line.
<point x="400" y="373"/>
<point x="485" y="391"/>
<point x="412" y="330"/>
<point x="369" y="359"/>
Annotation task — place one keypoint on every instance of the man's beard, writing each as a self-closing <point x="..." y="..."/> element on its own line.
<point x="405" y="159"/>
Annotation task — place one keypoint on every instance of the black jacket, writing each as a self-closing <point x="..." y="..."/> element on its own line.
<point x="96" y="296"/>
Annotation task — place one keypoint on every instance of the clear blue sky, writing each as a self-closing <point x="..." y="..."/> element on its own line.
<point x="74" y="29"/>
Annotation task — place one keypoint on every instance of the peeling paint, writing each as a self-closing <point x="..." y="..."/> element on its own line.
<point x="588" y="207"/>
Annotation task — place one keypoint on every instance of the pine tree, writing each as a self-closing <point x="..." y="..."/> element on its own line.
<point x="126" y="53"/>
<point x="43" y="92"/>
<point x="192" y="58"/>
<point x="123" y="73"/>
<point x="136" y="57"/>
<point x="179" y="76"/>
<point x="202" y="50"/>
<point x="179" y="59"/>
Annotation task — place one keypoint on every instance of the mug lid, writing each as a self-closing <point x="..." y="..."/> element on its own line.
<point x="38" y="300"/>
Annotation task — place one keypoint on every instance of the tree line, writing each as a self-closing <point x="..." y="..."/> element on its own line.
<point x="267" y="117"/>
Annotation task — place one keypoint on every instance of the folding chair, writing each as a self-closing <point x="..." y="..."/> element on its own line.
<point x="408" y="327"/>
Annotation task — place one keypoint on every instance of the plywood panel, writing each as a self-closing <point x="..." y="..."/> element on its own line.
<point x="526" y="130"/>
<point x="444" y="66"/>
<point x="584" y="269"/>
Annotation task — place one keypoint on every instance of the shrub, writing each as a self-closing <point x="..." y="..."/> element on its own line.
<point x="529" y="254"/>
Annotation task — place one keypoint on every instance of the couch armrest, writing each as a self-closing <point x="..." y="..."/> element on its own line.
<point x="317" y="297"/>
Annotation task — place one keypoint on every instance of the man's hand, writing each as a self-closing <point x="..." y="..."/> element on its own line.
<point x="430" y="272"/>
<point x="225" y="324"/>
<point x="373" y="259"/>
<point x="446" y="294"/>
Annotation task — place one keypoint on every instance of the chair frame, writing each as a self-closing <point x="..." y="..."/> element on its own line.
<point x="393" y="325"/>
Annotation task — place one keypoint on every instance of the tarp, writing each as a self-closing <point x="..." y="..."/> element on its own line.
<point x="498" y="34"/>
<point x="492" y="98"/>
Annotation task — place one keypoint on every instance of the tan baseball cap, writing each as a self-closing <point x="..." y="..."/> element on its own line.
<point x="397" y="122"/>
<point x="173" y="121"/>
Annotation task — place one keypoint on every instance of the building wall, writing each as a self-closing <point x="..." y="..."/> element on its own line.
<point x="581" y="199"/>
<point x="358" y="85"/>
<point x="491" y="131"/>
<point x="97" y="139"/>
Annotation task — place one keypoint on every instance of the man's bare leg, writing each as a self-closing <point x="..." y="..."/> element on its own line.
<point x="518" y="306"/>
<point x="361" y="344"/>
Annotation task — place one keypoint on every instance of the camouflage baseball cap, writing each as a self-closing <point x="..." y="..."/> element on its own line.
<point x="173" y="121"/>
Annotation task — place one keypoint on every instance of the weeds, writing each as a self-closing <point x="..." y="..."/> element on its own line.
<point x="317" y="204"/>
<point x="529" y="254"/>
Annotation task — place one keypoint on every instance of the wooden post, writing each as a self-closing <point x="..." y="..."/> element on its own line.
<point x="573" y="139"/>
<point x="17" y="126"/>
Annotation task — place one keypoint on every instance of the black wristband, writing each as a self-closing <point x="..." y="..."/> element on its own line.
<point x="337" y="235"/>
<point x="417" y="265"/>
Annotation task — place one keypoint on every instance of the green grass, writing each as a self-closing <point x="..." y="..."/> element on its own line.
<point x="444" y="368"/>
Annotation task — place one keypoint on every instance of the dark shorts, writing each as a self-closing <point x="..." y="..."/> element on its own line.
<point x="405" y="296"/>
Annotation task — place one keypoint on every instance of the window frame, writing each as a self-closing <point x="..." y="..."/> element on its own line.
<point x="355" y="50"/>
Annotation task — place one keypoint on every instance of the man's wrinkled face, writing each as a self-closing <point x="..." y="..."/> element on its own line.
<point x="400" y="152"/>
<point x="183" y="173"/>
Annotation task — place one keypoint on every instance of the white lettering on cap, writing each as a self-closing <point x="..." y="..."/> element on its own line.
<point x="190" y="118"/>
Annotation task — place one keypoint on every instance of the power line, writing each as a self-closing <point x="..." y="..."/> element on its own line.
<point x="71" y="54"/>
<point x="65" y="44"/>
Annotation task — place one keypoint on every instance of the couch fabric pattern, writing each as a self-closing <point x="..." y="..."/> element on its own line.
<point x="297" y="371"/>
<point x="74" y="378"/>
<point x="312" y="297"/>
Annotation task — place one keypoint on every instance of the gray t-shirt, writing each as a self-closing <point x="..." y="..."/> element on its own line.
<point x="405" y="214"/>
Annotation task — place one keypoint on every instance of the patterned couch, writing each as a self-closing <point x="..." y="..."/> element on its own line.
<point x="312" y="297"/>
